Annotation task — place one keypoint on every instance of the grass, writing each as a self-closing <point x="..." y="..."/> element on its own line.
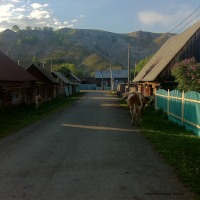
<point x="16" y="118"/>
<point x="179" y="147"/>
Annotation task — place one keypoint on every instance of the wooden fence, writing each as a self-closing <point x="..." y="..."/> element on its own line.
<point x="182" y="108"/>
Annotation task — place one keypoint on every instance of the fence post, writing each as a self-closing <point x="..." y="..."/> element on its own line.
<point x="183" y="102"/>
<point x="168" y="98"/>
<point x="156" y="98"/>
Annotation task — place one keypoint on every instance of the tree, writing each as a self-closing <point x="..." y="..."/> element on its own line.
<point x="48" y="29"/>
<point x="63" y="69"/>
<point x="15" y="28"/>
<point x="140" y="65"/>
<point x="28" y="28"/>
<point x="187" y="75"/>
<point x="35" y="59"/>
<point x="38" y="28"/>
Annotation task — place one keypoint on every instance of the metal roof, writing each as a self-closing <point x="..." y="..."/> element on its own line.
<point x="165" y="54"/>
<point x="10" y="71"/>
<point x="61" y="77"/>
<point x="75" y="77"/>
<point x="115" y="74"/>
<point x="44" y="72"/>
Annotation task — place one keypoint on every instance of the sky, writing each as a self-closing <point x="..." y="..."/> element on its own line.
<point x="118" y="16"/>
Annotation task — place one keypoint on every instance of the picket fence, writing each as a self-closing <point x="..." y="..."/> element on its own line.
<point x="182" y="108"/>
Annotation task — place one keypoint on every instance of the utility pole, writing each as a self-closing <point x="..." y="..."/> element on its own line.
<point x="135" y="70"/>
<point x="129" y="63"/>
<point x="111" y="76"/>
<point x="102" y="85"/>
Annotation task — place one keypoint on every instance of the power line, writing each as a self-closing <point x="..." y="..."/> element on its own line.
<point x="145" y="46"/>
<point x="184" y="20"/>
<point x="189" y="23"/>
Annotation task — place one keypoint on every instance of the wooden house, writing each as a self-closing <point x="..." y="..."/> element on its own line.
<point x="65" y="85"/>
<point x="46" y="85"/>
<point x="157" y="72"/>
<point x="16" y="84"/>
<point x="109" y="79"/>
<point x="75" y="82"/>
<point x="73" y="78"/>
<point x="88" y="83"/>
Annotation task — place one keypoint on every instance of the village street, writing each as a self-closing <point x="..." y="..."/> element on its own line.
<point x="88" y="151"/>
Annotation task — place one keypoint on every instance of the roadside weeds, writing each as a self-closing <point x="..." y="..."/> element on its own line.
<point x="179" y="147"/>
<point x="14" y="119"/>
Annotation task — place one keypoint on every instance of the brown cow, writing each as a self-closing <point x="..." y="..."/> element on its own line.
<point x="38" y="101"/>
<point x="136" y="103"/>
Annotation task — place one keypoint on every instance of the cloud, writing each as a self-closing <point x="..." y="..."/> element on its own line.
<point x="82" y="16"/>
<point x="39" y="14"/>
<point x="74" y="20"/>
<point x="19" y="10"/>
<point x="6" y="11"/>
<point x="37" y="5"/>
<point x="173" y="17"/>
<point x="24" y="13"/>
<point x="15" y="1"/>
<point x="152" y="18"/>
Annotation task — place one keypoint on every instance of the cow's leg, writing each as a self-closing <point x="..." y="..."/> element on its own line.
<point x="139" y="118"/>
<point x="40" y="103"/>
<point x="132" y="116"/>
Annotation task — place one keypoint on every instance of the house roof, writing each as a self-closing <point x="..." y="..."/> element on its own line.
<point x="75" y="77"/>
<point x="48" y="75"/>
<point x="61" y="77"/>
<point x="115" y="74"/>
<point x="165" y="54"/>
<point x="10" y="71"/>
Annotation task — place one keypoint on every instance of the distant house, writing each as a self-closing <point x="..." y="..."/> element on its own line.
<point x="106" y="79"/>
<point x="157" y="72"/>
<point x="65" y="85"/>
<point x="75" y="82"/>
<point x="88" y="80"/>
<point x="16" y="84"/>
<point x="73" y="78"/>
<point x="88" y="83"/>
<point x="46" y="85"/>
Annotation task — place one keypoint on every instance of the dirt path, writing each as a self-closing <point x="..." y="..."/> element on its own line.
<point x="88" y="151"/>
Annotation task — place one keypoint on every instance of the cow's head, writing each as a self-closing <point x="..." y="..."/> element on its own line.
<point x="149" y="100"/>
<point x="125" y="95"/>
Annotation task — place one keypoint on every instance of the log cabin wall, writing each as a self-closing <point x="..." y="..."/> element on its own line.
<point x="15" y="93"/>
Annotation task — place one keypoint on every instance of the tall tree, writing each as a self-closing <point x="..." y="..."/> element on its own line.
<point x="15" y="28"/>
<point x="28" y="28"/>
<point x="140" y="65"/>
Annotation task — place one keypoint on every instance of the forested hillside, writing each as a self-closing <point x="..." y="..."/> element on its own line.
<point x="88" y="50"/>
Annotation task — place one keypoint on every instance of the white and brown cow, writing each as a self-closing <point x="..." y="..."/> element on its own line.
<point x="136" y="103"/>
<point x="38" y="101"/>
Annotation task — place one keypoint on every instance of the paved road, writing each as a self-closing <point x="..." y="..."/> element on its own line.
<point x="86" y="152"/>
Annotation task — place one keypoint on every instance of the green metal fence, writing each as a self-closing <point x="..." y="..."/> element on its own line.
<point x="182" y="108"/>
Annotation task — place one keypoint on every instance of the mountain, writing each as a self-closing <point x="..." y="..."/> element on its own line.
<point x="89" y="50"/>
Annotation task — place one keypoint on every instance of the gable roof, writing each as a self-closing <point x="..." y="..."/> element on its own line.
<point x="165" y="54"/>
<point x="10" y="71"/>
<point x="61" y="77"/>
<point x="48" y="75"/>
<point x="115" y="74"/>
<point x="75" y="77"/>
